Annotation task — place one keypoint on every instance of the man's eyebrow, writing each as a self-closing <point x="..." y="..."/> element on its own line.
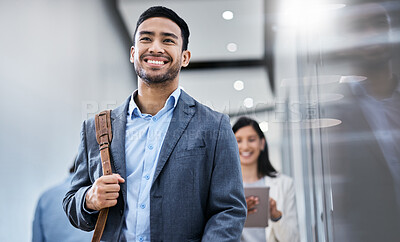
<point x="169" y="35"/>
<point x="146" y="33"/>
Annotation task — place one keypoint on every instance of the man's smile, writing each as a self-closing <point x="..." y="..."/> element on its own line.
<point x="156" y="60"/>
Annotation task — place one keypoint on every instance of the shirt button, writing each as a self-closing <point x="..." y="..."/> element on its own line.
<point x="142" y="206"/>
<point x="147" y="177"/>
<point x="151" y="147"/>
<point x="141" y="238"/>
<point x="154" y="119"/>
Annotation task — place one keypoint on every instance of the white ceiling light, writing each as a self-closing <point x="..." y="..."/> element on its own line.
<point x="238" y="85"/>
<point x="350" y="79"/>
<point x="264" y="126"/>
<point x="248" y="102"/>
<point x="307" y="15"/>
<point x="318" y="123"/>
<point x="227" y="15"/>
<point x="231" y="47"/>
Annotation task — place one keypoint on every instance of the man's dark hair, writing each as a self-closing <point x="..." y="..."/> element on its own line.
<point x="264" y="166"/>
<point x="160" y="11"/>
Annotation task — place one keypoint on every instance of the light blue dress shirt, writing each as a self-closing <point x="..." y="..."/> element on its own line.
<point x="144" y="137"/>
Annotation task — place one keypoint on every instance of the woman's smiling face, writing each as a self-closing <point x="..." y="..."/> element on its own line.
<point x="250" y="145"/>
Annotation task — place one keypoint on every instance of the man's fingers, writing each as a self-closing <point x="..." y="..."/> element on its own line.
<point x="107" y="203"/>
<point x="111" y="188"/>
<point x="104" y="192"/>
<point x="111" y="203"/>
<point x="107" y="196"/>
<point x="111" y="179"/>
<point x="111" y="195"/>
<point x="104" y="200"/>
<point x="120" y="179"/>
<point x="106" y="188"/>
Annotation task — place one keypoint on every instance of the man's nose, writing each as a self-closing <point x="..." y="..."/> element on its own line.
<point x="156" y="47"/>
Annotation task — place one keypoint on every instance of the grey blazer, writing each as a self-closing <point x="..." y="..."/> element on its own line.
<point x="197" y="192"/>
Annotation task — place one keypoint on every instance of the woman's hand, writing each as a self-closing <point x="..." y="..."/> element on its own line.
<point x="273" y="211"/>
<point x="251" y="202"/>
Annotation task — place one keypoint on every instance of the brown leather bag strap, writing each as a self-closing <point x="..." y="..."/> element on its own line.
<point x="103" y="137"/>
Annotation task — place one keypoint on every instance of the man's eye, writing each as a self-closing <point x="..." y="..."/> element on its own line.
<point x="145" y="39"/>
<point x="169" y="41"/>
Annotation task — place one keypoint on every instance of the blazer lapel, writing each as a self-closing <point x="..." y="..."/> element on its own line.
<point x="117" y="148"/>
<point x="182" y="115"/>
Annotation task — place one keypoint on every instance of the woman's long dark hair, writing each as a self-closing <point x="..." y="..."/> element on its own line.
<point x="264" y="166"/>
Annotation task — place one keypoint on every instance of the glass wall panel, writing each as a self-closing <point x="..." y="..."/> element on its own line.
<point x="341" y="89"/>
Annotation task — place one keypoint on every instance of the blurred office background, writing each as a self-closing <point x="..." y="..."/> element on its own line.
<point x="321" y="77"/>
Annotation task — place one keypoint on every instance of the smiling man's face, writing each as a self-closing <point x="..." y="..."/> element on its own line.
<point x="157" y="54"/>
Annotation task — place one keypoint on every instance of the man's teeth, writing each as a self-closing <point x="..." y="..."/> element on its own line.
<point x="155" y="62"/>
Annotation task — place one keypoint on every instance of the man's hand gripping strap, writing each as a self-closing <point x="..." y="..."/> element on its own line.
<point x="104" y="137"/>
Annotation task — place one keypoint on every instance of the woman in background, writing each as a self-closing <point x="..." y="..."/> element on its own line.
<point x="258" y="171"/>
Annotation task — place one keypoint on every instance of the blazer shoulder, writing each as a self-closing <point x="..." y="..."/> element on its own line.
<point x="120" y="111"/>
<point x="88" y="125"/>
<point x="207" y="110"/>
<point x="210" y="113"/>
<point x="117" y="113"/>
<point x="203" y="112"/>
<point x="189" y="100"/>
<point x="211" y="119"/>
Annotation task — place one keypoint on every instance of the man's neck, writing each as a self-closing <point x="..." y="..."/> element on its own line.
<point x="151" y="98"/>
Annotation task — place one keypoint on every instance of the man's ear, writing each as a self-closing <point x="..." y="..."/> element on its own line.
<point x="131" y="58"/>
<point x="185" y="58"/>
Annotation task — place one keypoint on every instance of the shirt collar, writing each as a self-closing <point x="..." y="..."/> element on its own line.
<point x="172" y="101"/>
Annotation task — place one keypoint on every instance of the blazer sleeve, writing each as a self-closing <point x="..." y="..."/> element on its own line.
<point x="74" y="199"/>
<point x="286" y="229"/>
<point x="226" y="207"/>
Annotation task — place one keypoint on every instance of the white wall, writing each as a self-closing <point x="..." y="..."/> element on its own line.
<point x="56" y="58"/>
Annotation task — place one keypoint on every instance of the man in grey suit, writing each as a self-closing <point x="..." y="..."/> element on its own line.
<point x="176" y="169"/>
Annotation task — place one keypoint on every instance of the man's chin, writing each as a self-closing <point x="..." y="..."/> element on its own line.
<point x="157" y="79"/>
<point x="151" y="77"/>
